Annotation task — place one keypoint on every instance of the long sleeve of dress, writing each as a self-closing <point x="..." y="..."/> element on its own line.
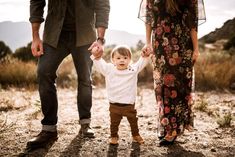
<point x="201" y="12"/>
<point x="146" y="11"/>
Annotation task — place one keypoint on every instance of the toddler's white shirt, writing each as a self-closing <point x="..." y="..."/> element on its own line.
<point x="121" y="85"/>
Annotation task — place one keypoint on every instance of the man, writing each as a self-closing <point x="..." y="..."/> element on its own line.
<point x="71" y="27"/>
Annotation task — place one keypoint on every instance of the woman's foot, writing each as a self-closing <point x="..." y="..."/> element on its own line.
<point x="166" y="141"/>
<point x="138" y="139"/>
<point x="160" y="137"/>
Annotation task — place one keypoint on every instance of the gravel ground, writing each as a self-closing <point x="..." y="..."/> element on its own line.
<point x="20" y="120"/>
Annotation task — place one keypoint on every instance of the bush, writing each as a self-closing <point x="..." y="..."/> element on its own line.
<point x="225" y="120"/>
<point x="24" y="54"/>
<point x="214" y="71"/>
<point x="4" y="50"/>
<point x="17" y="73"/>
<point x="67" y="76"/>
<point x="230" y="44"/>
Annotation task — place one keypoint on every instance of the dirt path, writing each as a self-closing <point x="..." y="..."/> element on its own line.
<point x="20" y="120"/>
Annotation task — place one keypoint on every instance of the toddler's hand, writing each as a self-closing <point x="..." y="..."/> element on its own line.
<point x="146" y="50"/>
<point x="95" y="52"/>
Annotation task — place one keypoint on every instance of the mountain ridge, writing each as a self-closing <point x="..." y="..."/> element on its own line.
<point x="18" y="34"/>
<point x="225" y="32"/>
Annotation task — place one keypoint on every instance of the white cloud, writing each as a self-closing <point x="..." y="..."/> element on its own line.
<point x="14" y="10"/>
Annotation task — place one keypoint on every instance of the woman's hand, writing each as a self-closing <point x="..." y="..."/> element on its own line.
<point x="195" y="55"/>
<point x="147" y="50"/>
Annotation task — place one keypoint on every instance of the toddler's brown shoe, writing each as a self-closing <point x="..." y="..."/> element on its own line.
<point x="113" y="140"/>
<point x="138" y="139"/>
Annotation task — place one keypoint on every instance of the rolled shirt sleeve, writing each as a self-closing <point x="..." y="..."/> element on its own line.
<point x="36" y="11"/>
<point x="102" y="9"/>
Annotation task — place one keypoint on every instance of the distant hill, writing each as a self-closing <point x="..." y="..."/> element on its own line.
<point x="227" y="31"/>
<point x="18" y="34"/>
<point x="15" y="35"/>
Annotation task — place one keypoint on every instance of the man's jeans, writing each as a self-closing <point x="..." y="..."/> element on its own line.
<point x="47" y="67"/>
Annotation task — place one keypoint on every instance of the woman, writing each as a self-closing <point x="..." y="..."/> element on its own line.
<point x="173" y="27"/>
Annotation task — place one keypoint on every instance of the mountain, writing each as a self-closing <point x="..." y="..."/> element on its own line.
<point x="225" y="32"/>
<point x="18" y="34"/>
<point x="15" y="34"/>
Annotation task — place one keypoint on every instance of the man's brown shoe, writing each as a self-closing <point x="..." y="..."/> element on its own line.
<point x="42" y="139"/>
<point x="86" y="131"/>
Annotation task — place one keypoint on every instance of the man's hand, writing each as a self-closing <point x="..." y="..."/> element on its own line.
<point x="97" y="49"/>
<point x="147" y="50"/>
<point x="37" y="47"/>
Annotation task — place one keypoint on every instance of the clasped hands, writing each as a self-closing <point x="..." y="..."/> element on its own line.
<point x="97" y="50"/>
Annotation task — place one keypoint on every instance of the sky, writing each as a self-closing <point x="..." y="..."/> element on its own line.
<point x="123" y="14"/>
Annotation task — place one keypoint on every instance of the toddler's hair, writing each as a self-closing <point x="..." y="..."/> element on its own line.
<point x="123" y="50"/>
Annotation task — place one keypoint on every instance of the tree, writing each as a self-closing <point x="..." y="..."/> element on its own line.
<point x="230" y="46"/>
<point x="140" y="44"/>
<point x="4" y="50"/>
<point x="24" y="54"/>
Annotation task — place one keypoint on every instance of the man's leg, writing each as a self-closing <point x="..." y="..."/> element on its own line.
<point x="47" y="66"/>
<point x="83" y="65"/>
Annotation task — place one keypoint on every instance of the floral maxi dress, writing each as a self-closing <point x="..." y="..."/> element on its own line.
<point x="172" y="61"/>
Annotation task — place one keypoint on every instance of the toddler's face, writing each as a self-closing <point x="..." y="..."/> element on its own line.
<point x="120" y="61"/>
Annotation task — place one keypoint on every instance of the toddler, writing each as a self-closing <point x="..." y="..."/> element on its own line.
<point x="121" y="85"/>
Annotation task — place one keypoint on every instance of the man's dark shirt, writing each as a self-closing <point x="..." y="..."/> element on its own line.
<point x="89" y="14"/>
<point x="69" y="20"/>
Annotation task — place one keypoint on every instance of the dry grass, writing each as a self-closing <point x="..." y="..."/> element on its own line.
<point x="66" y="74"/>
<point x="214" y="71"/>
<point x="18" y="73"/>
<point x="202" y="105"/>
<point x="225" y="120"/>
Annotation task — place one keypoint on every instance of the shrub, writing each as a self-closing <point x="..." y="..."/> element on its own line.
<point x="230" y="44"/>
<point x="225" y="121"/>
<point x="25" y="54"/>
<point x="214" y="71"/>
<point x="4" y="50"/>
<point x="66" y="74"/>
<point x="18" y="73"/>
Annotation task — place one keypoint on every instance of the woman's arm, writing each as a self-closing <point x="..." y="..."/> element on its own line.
<point x="147" y="49"/>
<point x="193" y="25"/>
<point x="194" y="38"/>
<point x="148" y="32"/>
